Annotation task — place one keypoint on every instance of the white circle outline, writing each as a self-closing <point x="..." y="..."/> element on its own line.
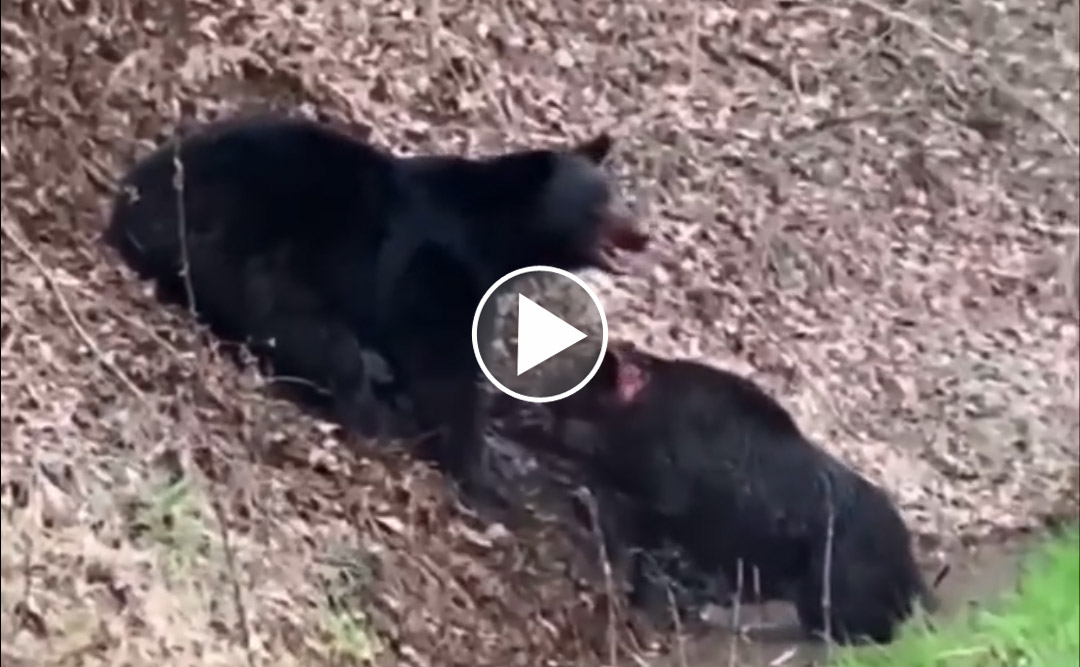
<point x="603" y="334"/>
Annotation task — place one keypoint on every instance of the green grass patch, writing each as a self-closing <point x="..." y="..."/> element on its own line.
<point x="1037" y="625"/>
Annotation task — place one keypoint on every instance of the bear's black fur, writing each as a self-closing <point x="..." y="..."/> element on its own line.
<point x="706" y="460"/>
<point x="310" y="245"/>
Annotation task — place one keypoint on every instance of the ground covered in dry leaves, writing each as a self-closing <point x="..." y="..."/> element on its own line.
<point x="870" y="207"/>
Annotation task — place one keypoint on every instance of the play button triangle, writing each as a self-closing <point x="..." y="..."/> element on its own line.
<point x="541" y="334"/>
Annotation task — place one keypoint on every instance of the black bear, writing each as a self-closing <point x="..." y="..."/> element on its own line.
<point x="312" y="247"/>
<point x="706" y="460"/>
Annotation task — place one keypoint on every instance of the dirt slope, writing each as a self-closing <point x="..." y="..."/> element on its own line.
<point x="871" y="208"/>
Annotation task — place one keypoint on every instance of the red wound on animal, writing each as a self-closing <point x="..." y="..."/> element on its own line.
<point x="630" y="380"/>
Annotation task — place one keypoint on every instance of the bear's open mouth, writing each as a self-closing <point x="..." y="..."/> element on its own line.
<point x="618" y="235"/>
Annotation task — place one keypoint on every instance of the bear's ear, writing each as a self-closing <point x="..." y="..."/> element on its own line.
<point x="595" y="150"/>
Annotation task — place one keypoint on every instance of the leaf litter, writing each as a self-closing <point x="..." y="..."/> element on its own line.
<point x="869" y="207"/>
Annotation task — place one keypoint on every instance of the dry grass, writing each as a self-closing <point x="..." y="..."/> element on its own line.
<point x="870" y="208"/>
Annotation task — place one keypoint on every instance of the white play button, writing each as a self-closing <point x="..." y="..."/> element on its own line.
<point x="551" y="346"/>
<point x="540" y="334"/>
